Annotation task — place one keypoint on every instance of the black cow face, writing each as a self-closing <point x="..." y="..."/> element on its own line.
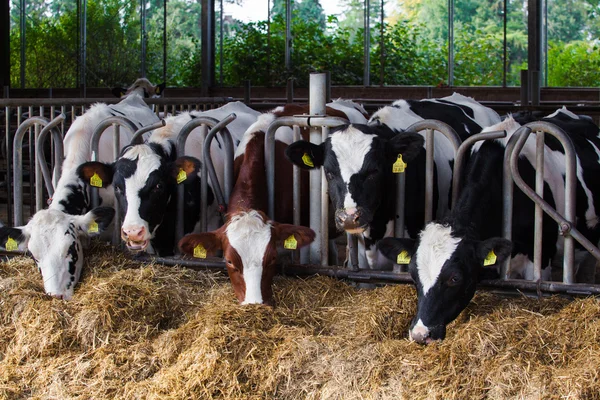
<point x="145" y="181"/>
<point x="357" y="161"/>
<point x="445" y="268"/>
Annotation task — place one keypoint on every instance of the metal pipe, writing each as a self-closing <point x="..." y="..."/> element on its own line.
<point x="429" y="164"/>
<point x="399" y="222"/>
<point x="18" y="164"/>
<point x="461" y="155"/>
<point x="507" y="202"/>
<point x="95" y="145"/>
<point x="8" y="166"/>
<point x="352" y="248"/>
<point x="367" y="44"/>
<point x="452" y="137"/>
<point x="303" y="121"/>
<point x="296" y="182"/>
<point x="316" y="106"/>
<point x="324" y="217"/>
<point x="450" y="42"/>
<point x="538" y="213"/>
<point x="222" y="195"/>
<point x="57" y="145"/>
<point x="565" y="223"/>
<point x="137" y="136"/>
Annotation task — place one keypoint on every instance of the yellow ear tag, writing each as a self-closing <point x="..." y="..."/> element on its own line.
<point x="199" y="251"/>
<point x="403" y="258"/>
<point x="93" y="228"/>
<point x="181" y="176"/>
<point x="490" y="259"/>
<point x="11" y="245"/>
<point x="290" y="243"/>
<point x="95" y="180"/>
<point x="399" y="166"/>
<point x="307" y="160"/>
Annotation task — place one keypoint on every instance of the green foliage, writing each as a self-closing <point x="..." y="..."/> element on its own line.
<point x="574" y="64"/>
<point x="408" y="49"/>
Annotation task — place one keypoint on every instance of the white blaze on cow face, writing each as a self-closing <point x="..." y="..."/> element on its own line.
<point x="249" y="235"/>
<point x="134" y="226"/>
<point x="350" y="147"/>
<point x="436" y="246"/>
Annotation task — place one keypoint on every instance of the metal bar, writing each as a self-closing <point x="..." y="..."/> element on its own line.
<point x="25" y="102"/>
<point x="316" y="106"/>
<point x="450" y="42"/>
<point x="352" y="249"/>
<point x="539" y="213"/>
<point x="8" y="167"/>
<point x="57" y="145"/>
<point x="18" y="165"/>
<point x="507" y="202"/>
<point x="324" y="217"/>
<point x="137" y="136"/>
<point x="143" y="38"/>
<point x="566" y="227"/>
<point x="22" y="16"/>
<point x="303" y="122"/>
<point x="164" y="42"/>
<point x="288" y="37"/>
<point x="399" y="223"/>
<point x="461" y="155"/>
<point x="95" y="145"/>
<point x="367" y="44"/>
<point x="429" y="164"/>
<point x="296" y="182"/>
<point x="84" y="48"/>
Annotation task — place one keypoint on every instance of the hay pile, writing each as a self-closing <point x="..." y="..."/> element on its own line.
<point x="156" y="332"/>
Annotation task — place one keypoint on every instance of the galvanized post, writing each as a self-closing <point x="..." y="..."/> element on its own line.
<point x="367" y="44"/>
<point x="317" y="87"/>
<point x="539" y="213"/>
<point x="429" y="164"/>
<point x="8" y="167"/>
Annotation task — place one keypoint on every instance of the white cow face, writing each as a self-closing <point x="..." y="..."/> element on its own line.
<point x="54" y="240"/>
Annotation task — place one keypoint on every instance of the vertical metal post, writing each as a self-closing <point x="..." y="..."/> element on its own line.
<point x="507" y="201"/>
<point x="296" y="182"/>
<point x="84" y="47"/>
<point x="143" y="38"/>
<point x="221" y="31"/>
<point x="164" y="43"/>
<point x="535" y="87"/>
<point x="288" y="36"/>
<point x="450" y="42"/>
<point x="400" y="205"/>
<point x="22" y="16"/>
<point x="367" y="44"/>
<point x="208" y="45"/>
<point x="290" y="90"/>
<point x="534" y="41"/>
<point x="8" y="168"/>
<point x="382" y="47"/>
<point x="324" y="209"/>
<point x="5" y="47"/>
<point x="429" y="164"/>
<point x="39" y="180"/>
<point x="524" y="87"/>
<point x="539" y="213"/>
<point x="504" y="53"/>
<point x="317" y="85"/>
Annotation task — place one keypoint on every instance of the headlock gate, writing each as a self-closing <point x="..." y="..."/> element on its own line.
<point x="315" y="261"/>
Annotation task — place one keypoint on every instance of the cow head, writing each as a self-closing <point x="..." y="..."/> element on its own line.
<point x="249" y="242"/>
<point x="358" y="161"/>
<point x="143" y="86"/>
<point x="144" y="179"/>
<point x="54" y="240"/>
<point x="445" y="267"/>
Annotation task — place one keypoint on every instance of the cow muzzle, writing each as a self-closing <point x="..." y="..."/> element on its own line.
<point x="350" y="220"/>
<point x="135" y="238"/>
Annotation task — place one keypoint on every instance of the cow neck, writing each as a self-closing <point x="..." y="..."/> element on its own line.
<point x="248" y="192"/>
<point x="478" y="211"/>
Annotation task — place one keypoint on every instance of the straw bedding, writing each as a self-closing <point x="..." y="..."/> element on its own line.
<point x="155" y="332"/>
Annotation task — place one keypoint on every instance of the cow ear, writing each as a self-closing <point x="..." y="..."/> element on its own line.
<point x="159" y="89"/>
<point x="118" y="91"/>
<point x="493" y="252"/>
<point x="13" y="239"/>
<point x="397" y="250"/>
<point x="305" y="154"/>
<point x="95" y="173"/>
<point x="96" y="221"/>
<point x="184" y="169"/>
<point x="200" y="244"/>
<point x="292" y="236"/>
<point x="409" y="144"/>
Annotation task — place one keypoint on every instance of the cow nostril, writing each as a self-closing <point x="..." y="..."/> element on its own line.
<point x="57" y="296"/>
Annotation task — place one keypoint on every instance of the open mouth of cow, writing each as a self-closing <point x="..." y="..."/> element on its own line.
<point x="137" y="246"/>
<point x="355" y="231"/>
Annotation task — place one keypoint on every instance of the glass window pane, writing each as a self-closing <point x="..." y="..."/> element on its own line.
<point x="573" y="29"/>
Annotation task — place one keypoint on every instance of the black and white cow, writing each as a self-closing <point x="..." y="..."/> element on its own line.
<point x="146" y="176"/>
<point x="56" y="236"/>
<point x="449" y="257"/>
<point x="359" y="168"/>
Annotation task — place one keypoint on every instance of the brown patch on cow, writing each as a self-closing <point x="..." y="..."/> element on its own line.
<point x="188" y="165"/>
<point x="211" y="241"/>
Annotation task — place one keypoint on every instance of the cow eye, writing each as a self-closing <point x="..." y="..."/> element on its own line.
<point x="455" y="279"/>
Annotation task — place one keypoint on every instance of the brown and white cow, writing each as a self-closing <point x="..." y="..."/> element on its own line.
<point x="249" y="240"/>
